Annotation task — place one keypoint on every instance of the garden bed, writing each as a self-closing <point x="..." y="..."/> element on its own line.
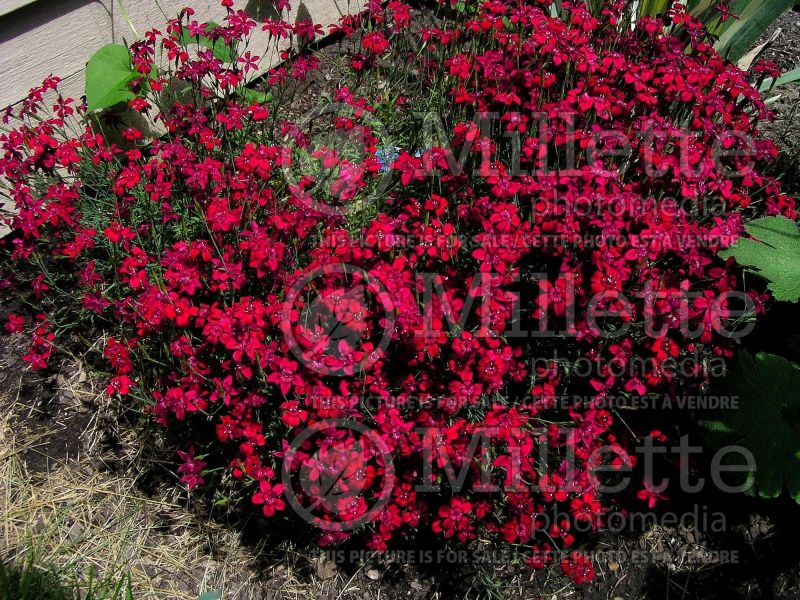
<point x="80" y="477"/>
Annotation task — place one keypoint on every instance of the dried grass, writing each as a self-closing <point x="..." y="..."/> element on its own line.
<point x="79" y="519"/>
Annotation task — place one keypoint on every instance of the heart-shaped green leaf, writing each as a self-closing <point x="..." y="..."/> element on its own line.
<point x="108" y="75"/>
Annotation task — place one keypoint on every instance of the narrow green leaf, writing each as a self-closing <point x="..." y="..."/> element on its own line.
<point x="787" y="77"/>
<point x="652" y="8"/>
<point x="716" y="426"/>
<point x="698" y="8"/>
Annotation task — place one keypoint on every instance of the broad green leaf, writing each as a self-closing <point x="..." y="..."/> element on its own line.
<point x="748" y="59"/>
<point x="256" y="96"/>
<point x="108" y="74"/>
<point x="773" y="253"/>
<point x="766" y="420"/>
<point x="699" y="8"/>
<point x="754" y="18"/>
<point x="652" y="8"/>
<point x="222" y="51"/>
<point x="210" y="596"/>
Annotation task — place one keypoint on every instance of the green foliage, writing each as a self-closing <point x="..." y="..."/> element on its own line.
<point x="29" y="583"/>
<point x="210" y="596"/>
<point x="737" y="36"/>
<point x="788" y="77"/>
<point x="32" y="581"/>
<point x="108" y="76"/>
<point x="256" y="96"/>
<point x="109" y="71"/>
<point x="773" y="254"/>
<point x="221" y="51"/>
<point x="653" y="8"/>
<point x="766" y="421"/>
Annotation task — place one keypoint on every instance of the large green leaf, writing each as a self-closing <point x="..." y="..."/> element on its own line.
<point x="108" y="74"/>
<point x="222" y="51"/>
<point x="773" y="253"/>
<point x="766" y="420"/>
<point x="739" y="35"/>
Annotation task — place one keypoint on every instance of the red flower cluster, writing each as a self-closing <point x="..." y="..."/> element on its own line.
<point x="274" y="301"/>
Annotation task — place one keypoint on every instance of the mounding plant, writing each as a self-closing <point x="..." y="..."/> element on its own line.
<point x="373" y="322"/>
